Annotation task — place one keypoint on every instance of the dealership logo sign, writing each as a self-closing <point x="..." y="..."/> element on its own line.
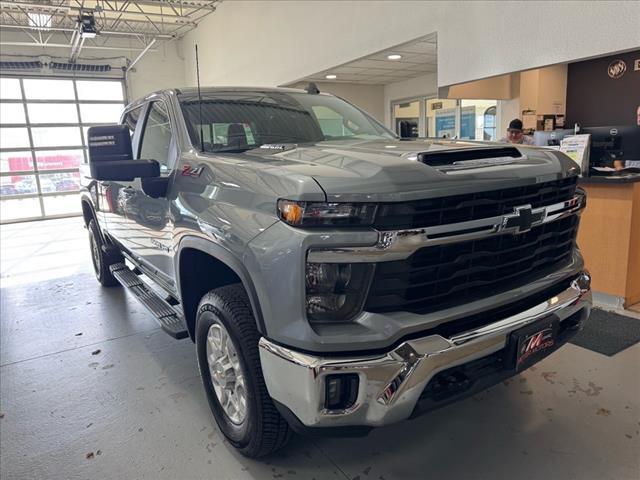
<point x="616" y="69"/>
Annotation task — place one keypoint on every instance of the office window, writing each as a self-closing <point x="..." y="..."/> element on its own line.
<point x="474" y="117"/>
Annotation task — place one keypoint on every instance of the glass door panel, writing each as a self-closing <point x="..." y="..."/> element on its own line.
<point x="407" y="119"/>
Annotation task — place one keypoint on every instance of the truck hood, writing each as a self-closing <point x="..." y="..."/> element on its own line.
<point x="393" y="170"/>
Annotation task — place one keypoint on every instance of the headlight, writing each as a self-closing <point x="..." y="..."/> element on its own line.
<point x="335" y="291"/>
<point x="315" y="214"/>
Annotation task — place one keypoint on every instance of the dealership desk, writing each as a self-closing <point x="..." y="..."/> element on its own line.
<point x="609" y="236"/>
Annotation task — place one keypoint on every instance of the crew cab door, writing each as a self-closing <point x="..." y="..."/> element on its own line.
<point x="149" y="225"/>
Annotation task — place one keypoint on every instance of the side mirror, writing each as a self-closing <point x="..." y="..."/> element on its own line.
<point x="124" y="170"/>
<point x="155" y="187"/>
<point x="111" y="155"/>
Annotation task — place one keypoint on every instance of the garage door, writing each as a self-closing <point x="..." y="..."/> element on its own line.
<point x="43" y="126"/>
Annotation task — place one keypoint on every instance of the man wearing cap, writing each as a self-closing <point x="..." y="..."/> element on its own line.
<point x="515" y="135"/>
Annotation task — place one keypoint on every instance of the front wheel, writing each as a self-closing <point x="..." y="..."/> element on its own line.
<point x="229" y="361"/>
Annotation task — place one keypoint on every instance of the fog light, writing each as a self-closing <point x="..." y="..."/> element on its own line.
<point x="341" y="391"/>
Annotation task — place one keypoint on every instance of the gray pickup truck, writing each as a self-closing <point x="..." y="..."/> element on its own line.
<point x="333" y="277"/>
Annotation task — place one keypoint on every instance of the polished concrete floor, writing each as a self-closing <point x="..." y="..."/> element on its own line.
<point x="91" y="388"/>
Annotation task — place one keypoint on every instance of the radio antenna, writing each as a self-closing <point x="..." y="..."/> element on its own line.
<point x="199" y="101"/>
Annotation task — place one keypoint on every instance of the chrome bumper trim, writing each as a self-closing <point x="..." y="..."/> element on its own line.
<point x="400" y="244"/>
<point x="390" y="384"/>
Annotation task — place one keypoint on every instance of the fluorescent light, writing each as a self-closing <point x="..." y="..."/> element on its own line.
<point x="331" y="76"/>
<point x="394" y="56"/>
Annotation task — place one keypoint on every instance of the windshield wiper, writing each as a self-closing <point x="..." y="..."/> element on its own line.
<point x="233" y="150"/>
<point x="287" y="138"/>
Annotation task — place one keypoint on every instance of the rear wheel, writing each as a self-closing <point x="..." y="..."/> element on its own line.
<point x="101" y="259"/>
<point x="227" y="348"/>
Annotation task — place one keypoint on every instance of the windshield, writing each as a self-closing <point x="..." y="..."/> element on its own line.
<point x="238" y="121"/>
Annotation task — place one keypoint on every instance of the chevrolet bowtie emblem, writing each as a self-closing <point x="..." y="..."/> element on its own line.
<point x="521" y="219"/>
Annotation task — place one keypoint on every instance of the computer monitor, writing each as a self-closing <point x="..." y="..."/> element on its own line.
<point x="550" y="139"/>
<point x="613" y="143"/>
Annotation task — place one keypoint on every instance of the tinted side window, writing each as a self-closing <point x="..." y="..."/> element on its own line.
<point x="156" y="137"/>
<point x="131" y="119"/>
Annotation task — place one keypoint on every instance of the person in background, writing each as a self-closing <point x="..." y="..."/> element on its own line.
<point x="515" y="135"/>
<point x="620" y="164"/>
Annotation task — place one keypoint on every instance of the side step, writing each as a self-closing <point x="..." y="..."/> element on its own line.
<point x="170" y="320"/>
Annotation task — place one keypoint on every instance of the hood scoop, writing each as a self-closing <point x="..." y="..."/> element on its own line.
<point x="468" y="158"/>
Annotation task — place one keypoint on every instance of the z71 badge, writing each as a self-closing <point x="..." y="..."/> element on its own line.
<point x="189" y="171"/>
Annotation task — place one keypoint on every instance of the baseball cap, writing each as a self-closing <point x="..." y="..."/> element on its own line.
<point x="515" y="124"/>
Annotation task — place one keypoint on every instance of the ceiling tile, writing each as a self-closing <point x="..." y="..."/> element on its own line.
<point x="419" y="47"/>
<point x="346" y="69"/>
<point x="368" y="63"/>
<point x="418" y="58"/>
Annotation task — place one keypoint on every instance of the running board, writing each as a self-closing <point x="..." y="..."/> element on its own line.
<point x="170" y="320"/>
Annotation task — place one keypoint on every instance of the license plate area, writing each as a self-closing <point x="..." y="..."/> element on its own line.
<point x="532" y="343"/>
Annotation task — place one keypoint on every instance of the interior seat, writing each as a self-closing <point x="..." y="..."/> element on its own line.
<point x="236" y="137"/>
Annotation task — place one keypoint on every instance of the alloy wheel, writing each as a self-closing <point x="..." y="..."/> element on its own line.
<point x="226" y="373"/>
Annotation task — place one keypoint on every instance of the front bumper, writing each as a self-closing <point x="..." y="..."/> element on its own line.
<point x="392" y="384"/>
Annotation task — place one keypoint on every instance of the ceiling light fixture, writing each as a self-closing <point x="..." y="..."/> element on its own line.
<point x="331" y="76"/>
<point x="40" y="21"/>
<point x="394" y="56"/>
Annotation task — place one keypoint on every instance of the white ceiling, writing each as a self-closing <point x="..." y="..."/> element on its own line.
<point x="419" y="57"/>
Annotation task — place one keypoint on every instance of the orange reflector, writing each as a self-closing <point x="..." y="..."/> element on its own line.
<point x="291" y="212"/>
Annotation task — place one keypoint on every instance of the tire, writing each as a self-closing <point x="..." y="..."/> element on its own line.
<point x="101" y="259"/>
<point x="261" y="430"/>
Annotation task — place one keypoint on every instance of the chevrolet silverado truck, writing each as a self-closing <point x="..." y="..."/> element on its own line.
<point x="333" y="277"/>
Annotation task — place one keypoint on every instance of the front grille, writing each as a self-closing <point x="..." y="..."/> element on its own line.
<point x="442" y="276"/>
<point x="461" y="208"/>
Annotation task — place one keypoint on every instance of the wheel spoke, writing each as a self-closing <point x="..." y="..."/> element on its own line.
<point x="242" y="399"/>
<point x="233" y="402"/>
<point x="224" y="401"/>
<point x="223" y="340"/>
<point x="214" y="338"/>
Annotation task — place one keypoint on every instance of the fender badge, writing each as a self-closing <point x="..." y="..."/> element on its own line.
<point x="189" y="171"/>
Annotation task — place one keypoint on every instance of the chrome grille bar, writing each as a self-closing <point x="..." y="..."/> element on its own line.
<point x="400" y="244"/>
